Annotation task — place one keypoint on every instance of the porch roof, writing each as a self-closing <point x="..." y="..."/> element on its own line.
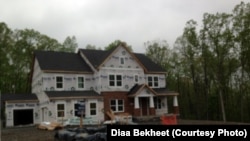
<point x="164" y="92"/>
<point x="138" y="88"/>
<point x="157" y="91"/>
<point x="72" y="94"/>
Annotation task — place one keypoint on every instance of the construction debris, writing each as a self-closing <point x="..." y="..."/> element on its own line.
<point x="49" y="125"/>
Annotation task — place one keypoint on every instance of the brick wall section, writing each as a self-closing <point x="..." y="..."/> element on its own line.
<point x="176" y="110"/>
<point x="152" y="111"/>
<point x="128" y="106"/>
<point x="137" y="112"/>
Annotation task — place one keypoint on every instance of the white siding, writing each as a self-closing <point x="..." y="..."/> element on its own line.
<point x="10" y="107"/>
<point x="37" y="78"/>
<point x="69" y="81"/>
<point x="69" y="110"/>
<point x="128" y="70"/>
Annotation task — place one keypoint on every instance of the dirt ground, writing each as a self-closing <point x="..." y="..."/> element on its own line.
<point x="31" y="133"/>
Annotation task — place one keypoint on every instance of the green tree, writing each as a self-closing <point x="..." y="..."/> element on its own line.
<point x="241" y="30"/>
<point x="117" y="43"/>
<point x="159" y="52"/>
<point x="6" y="44"/>
<point x="17" y="49"/>
<point x="190" y="52"/>
<point x="93" y="47"/>
<point x="220" y="42"/>
<point x="70" y="44"/>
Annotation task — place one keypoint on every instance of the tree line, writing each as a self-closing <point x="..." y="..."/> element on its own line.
<point x="16" y="52"/>
<point x="209" y="66"/>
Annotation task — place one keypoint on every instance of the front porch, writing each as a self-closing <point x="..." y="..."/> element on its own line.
<point x="154" y="106"/>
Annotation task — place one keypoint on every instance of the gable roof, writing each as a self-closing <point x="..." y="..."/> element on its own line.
<point x="157" y="91"/>
<point x="138" y="88"/>
<point x="61" y="61"/>
<point x="97" y="57"/>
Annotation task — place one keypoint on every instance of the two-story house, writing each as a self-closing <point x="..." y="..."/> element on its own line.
<point x="117" y="79"/>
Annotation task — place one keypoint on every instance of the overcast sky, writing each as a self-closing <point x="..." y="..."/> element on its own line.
<point x="100" y="22"/>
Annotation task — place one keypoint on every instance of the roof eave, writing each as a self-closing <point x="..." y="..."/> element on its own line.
<point x="155" y="72"/>
<point x="21" y="101"/>
<point x="62" y="71"/>
<point x="74" y="97"/>
<point x="168" y="94"/>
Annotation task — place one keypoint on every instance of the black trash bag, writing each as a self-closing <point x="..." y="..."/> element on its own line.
<point x="68" y="134"/>
<point x="99" y="136"/>
<point x="63" y="135"/>
<point x="92" y="130"/>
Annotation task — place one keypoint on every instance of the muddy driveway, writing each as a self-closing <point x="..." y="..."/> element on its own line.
<point x="32" y="133"/>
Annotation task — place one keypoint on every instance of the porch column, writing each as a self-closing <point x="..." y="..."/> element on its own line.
<point x="136" y="101"/>
<point x="176" y="106"/>
<point x="151" y="106"/>
<point x="166" y="104"/>
<point x="151" y="102"/>
<point x="136" y="106"/>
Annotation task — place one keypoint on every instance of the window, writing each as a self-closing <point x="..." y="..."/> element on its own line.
<point x="157" y="103"/>
<point x="136" y="78"/>
<point x="59" y="82"/>
<point x="117" y="105"/>
<point x="153" y="81"/>
<point x="122" y="60"/>
<point x="92" y="108"/>
<point x="60" y="110"/>
<point x="115" y="80"/>
<point x="80" y="82"/>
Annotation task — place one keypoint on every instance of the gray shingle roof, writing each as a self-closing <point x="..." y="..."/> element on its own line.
<point x="148" y="63"/>
<point x="7" y="97"/>
<point x="134" y="89"/>
<point x="17" y="97"/>
<point x="158" y="91"/>
<point x="61" y="61"/>
<point x="96" y="57"/>
<point x="165" y="91"/>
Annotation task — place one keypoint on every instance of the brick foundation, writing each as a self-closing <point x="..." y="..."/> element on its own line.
<point x="152" y="111"/>
<point x="176" y="110"/>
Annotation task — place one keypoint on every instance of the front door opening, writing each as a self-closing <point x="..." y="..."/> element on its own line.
<point x="144" y="106"/>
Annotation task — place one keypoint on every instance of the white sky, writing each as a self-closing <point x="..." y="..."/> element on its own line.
<point x="100" y="22"/>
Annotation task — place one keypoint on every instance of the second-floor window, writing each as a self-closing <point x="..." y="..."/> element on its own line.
<point x="80" y="82"/>
<point x="136" y="78"/>
<point x="115" y="80"/>
<point x="59" y="82"/>
<point x="117" y="105"/>
<point x="153" y="81"/>
<point x="122" y="60"/>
